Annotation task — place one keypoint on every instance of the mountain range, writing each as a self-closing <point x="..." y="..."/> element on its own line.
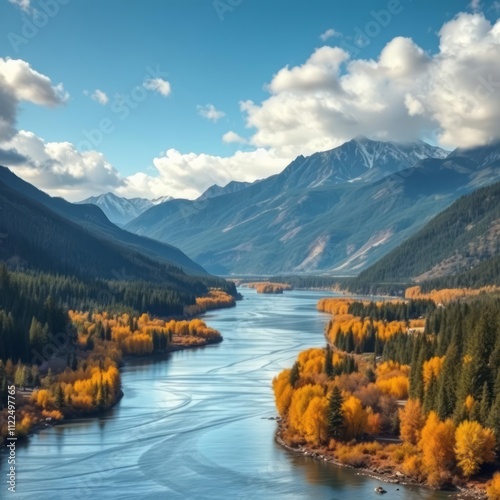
<point x="120" y="210"/>
<point x="336" y="212"/>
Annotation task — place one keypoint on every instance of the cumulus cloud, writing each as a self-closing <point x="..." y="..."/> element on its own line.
<point x="59" y="168"/>
<point x="232" y="137"/>
<point x="100" y="97"/>
<point x="20" y="82"/>
<point x="210" y="112"/>
<point x="188" y="175"/>
<point x="158" y="85"/>
<point x="330" y="33"/>
<point x="404" y="93"/>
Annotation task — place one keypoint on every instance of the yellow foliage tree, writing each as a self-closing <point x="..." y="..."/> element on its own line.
<point x="432" y="368"/>
<point x="475" y="445"/>
<point x="412" y="421"/>
<point x="355" y="417"/>
<point x="299" y="403"/>
<point x="282" y="392"/>
<point x="315" y="420"/>
<point x="437" y="444"/>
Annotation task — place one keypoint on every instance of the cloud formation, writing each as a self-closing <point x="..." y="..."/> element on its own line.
<point x="20" y="82"/>
<point x="330" y="33"/>
<point x="210" y="112"/>
<point x="100" y="97"/>
<point x="59" y="168"/>
<point x="158" y="85"/>
<point x="232" y="138"/>
<point x="188" y="175"/>
<point x="452" y="96"/>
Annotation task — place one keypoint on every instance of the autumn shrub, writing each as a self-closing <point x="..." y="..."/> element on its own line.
<point x="412" y="466"/>
<point x="352" y="455"/>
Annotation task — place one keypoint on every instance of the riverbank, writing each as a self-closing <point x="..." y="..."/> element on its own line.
<point x="385" y="474"/>
<point x="53" y="400"/>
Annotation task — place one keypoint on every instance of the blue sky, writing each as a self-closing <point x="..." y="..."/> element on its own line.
<point x="220" y="52"/>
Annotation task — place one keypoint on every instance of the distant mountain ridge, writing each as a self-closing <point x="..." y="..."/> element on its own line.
<point x="336" y="211"/>
<point x="121" y="210"/>
<point x="215" y="190"/>
<point x="360" y="159"/>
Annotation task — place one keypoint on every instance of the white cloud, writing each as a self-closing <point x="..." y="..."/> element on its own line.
<point x="402" y="94"/>
<point x="330" y="33"/>
<point x="60" y="169"/>
<point x="210" y="112"/>
<point x="20" y="82"/>
<point x="158" y="85"/>
<point x="22" y="4"/>
<point x="232" y="137"/>
<point x="188" y="175"/>
<point x="100" y="97"/>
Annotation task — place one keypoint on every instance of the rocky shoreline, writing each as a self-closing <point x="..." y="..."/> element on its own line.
<point x="395" y="478"/>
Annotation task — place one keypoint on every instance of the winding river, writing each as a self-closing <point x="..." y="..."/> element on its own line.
<point x="195" y="425"/>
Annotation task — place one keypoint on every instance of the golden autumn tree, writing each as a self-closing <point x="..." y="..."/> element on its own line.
<point x="412" y="421"/>
<point x="437" y="444"/>
<point x="299" y="403"/>
<point x="474" y="446"/>
<point x="355" y="417"/>
<point x="432" y="368"/>
<point x="282" y="392"/>
<point x="315" y="420"/>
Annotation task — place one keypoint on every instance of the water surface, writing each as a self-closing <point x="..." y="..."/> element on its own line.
<point x="196" y="425"/>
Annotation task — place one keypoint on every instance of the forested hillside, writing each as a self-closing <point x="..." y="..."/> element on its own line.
<point x="459" y="247"/>
<point x="27" y="205"/>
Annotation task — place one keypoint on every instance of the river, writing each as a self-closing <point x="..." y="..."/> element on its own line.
<point x="195" y="425"/>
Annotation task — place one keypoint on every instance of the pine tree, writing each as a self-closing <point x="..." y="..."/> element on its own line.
<point x="328" y="361"/>
<point x="295" y="373"/>
<point x="59" y="396"/>
<point x="335" y="414"/>
<point x="484" y="405"/>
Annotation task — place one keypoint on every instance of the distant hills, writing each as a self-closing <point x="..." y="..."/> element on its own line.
<point x="335" y="212"/>
<point x="51" y="234"/>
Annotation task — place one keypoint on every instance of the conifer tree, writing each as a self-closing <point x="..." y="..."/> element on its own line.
<point x="328" y="361"/>
<point x="335" y="414"/>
